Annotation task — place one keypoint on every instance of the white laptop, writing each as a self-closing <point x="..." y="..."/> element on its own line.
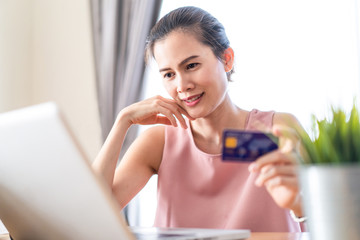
<point x="49" y="191"/>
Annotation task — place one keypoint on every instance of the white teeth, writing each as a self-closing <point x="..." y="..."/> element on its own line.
<point x="193" y="99"/>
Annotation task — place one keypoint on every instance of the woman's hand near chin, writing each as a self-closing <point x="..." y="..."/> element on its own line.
<point x="155" y="110"/>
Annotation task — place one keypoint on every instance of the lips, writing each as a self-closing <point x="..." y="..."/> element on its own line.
<point x="191" y="101"/>
<point x="193" y="98"/>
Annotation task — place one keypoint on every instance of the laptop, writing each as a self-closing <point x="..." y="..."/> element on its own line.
<point x="48" y="189"/>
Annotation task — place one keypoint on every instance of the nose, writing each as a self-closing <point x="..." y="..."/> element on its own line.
<point x="184" y="84"/>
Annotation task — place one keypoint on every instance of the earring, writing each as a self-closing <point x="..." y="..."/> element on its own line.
<point x="228" y="69"/>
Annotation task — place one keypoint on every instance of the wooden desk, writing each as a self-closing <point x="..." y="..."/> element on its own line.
<point x="279" y="236"/>
<point x="4" y="237"/>
<point x="254" y="236"/>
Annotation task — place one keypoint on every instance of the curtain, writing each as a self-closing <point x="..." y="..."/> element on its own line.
<point x="120" y="28"/>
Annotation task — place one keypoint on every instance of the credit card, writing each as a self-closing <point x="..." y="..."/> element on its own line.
<point x="247" y="146"/>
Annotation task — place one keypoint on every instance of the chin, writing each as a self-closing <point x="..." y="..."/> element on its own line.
<point x="193" y="115"/>
<point x="197" y="114"/>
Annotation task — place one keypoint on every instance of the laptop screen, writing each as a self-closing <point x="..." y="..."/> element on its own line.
<point x="47" y="186"/>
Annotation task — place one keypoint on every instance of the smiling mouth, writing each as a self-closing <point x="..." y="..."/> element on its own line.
<point x="194" y="98"/>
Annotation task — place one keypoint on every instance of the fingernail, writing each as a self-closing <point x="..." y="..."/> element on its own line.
<point x="252" y="167"/>
<point x="257" y="183"/>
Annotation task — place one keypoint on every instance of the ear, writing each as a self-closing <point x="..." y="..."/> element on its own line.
<point x="228" y="57"/>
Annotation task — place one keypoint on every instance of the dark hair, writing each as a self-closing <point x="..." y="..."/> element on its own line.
<point x="206" y="28"/>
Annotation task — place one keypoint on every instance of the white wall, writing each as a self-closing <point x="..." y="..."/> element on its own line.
<point x="290" y="56"/>
<point x="15" y="68"/>
<point x="46" y="54"/>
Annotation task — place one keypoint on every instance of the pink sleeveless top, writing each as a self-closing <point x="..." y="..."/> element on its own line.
<point x="197" y="189"/>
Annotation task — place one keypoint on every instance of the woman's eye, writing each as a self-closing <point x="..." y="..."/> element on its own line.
<point x="168" y="75"/>
<point x="191" y="65"/>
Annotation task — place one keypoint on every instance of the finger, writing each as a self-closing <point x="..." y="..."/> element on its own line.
<point x="163" y="120"/>
<point x="164" y="111"/>
<point x="181" y="112"/>
<point x="290" y="182"/>
<point x="179" y="107"/>
<point x="289" y="138"/>
<point x="181" y="118"/>
<point x="273" y="171"/>
<point x="168" y="108"/>
<point x="275" y="157"/>
<point x="184" y="112"/>
<point x="285" y="131"/>
<point x="173" y="111"/>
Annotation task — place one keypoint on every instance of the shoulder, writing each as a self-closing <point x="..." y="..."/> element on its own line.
<point x="287" y="119"/>
<point x="155" y="131"/>
<point x="284" y="118"/>
<point x="148" y="147"/>
<point x="259" y="120"/>
<point x="152" y="137"/>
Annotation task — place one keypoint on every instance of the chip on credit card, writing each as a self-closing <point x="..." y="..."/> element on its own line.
<point x="247" y="146"/>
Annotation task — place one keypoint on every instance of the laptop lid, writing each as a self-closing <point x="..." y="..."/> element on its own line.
<point x="49" y="191"/>
<point x="47" y="188"/>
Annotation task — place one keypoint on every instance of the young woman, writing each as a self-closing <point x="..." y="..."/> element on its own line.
<point x="195" y="187"/>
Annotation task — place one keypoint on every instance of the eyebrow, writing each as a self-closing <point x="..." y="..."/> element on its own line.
<point x="181" y="63"/>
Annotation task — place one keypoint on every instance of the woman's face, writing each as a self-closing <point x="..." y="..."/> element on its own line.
<point x="193" y="76"/>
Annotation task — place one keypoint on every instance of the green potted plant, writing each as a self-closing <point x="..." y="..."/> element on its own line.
<point x="330" y="176"/>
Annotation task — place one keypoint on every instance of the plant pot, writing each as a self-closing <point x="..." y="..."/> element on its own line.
<point x="331" y="199"/>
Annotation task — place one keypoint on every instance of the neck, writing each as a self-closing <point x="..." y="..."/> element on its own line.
<point x="209" y="129"/>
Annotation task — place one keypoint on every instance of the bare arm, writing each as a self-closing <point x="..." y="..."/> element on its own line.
<point x="105" y="162"/>
<point x="144" y="156"/>
<point x="140" y="162"/>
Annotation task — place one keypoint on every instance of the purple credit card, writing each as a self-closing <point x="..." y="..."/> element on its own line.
<point x="247" y="145"/>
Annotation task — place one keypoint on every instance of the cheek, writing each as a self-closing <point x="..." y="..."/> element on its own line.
<point x="216" y="76"/>
<point x="170" y="88"/>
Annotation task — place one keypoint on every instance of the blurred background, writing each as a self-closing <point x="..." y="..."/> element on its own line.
<point x="46" y="54"/>
<point x="291" y="56"/>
